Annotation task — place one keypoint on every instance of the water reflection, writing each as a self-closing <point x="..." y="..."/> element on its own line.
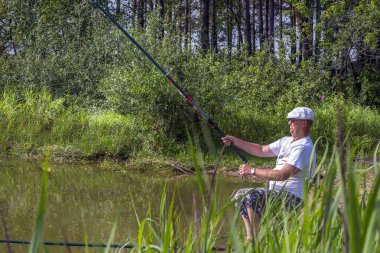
<point x="85" y="201"/>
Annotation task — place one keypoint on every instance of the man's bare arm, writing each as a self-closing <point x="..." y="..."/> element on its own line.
<point x="251" y="148"/>
<point x="270" y="174"/>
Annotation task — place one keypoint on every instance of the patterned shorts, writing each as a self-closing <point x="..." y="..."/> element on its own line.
<point x="256" y="198"/>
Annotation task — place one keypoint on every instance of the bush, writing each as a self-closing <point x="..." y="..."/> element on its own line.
<point x="36" y="122"/>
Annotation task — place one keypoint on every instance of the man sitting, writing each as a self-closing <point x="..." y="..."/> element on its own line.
<point x="294" y="154"/>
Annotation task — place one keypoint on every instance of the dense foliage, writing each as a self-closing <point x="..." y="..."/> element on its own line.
<point x="36" y="123"/>
<point x="66" y="53"/>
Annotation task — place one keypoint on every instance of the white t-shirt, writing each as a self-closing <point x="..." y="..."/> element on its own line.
<point x="298" y="154"/>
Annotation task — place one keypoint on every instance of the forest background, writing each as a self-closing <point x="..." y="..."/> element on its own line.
<point x="74" y="85"/>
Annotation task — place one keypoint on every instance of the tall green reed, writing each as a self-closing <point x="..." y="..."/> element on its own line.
<point x="38" y="229"/>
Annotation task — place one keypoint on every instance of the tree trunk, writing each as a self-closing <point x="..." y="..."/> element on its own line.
<point x="317" y="50"/>
<point x="311" y="27"/>
<point x="261" y="26"/>
<point x="293" y="35"/>
<point x="306" y="32"/>
<point x="266" y="23"/>
<point x="247" y="28"/>
<point x="162" y="15"/>
<point x="140" y="14"/>
<point x="253" y="26"/>
<point x="214" y="32"/>
<point x="134" y="11"/>
<point x="271" y="26"/>
<point x="238" y="24"/>
<point x="174" y="19"/>
<point x="169" y="17"/>
<point x="280" y="20"/>
<point x="229" y="26"/>
<point x="299" y="24"/>
<point x="117" y="8"/>
<point x="187" y="24"/>
<point x="205" y="34"/>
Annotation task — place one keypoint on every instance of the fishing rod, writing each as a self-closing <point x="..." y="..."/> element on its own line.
<point x="73" y="244"/>
<point x="180" y="89"/>
<point x="92" y="245"/>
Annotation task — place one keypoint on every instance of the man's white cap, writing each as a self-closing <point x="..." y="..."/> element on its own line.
<point x="302" y="113"/>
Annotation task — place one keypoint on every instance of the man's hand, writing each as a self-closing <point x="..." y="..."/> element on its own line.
<point x="245" y="169"/>
<point x="228" y="140"/>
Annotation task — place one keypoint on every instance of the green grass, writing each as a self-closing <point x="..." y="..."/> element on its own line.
<point x="34" y="122"/>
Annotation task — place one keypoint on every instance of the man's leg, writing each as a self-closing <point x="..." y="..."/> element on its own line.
<point x="254" y="219"/>
<point x="251" y="219"/>
<point x="248" y="228"/>
<point x="252" y="222"/>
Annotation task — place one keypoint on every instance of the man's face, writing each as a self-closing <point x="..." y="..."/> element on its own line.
<point x="296" y="126"/>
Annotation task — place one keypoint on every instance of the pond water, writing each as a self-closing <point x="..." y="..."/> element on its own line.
<point x="85" y="201"/>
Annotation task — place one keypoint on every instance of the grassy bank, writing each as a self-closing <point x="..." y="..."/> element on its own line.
<point x="32" y="123"/>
